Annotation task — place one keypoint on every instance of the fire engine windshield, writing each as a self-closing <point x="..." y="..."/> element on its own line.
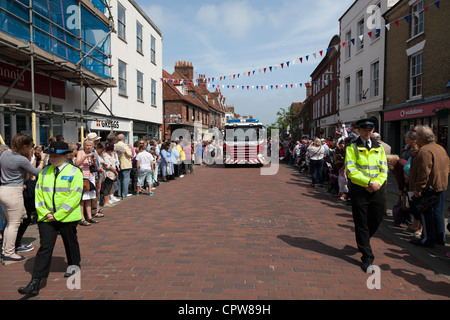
<point x="247" y="133"/>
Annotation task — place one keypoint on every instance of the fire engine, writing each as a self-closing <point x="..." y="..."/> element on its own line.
<point x="244" y="142"/>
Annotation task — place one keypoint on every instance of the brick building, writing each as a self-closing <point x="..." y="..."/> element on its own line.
<point x="417" y="72"/>
<point x="325" y="92"/>
<point x="187" y="102"/>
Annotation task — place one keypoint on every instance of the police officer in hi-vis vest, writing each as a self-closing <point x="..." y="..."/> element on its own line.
<point x="58" y="194"/>
<point x="366" y="165"/>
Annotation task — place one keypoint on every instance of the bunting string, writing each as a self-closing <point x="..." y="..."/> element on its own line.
<point x="306" y="58"/>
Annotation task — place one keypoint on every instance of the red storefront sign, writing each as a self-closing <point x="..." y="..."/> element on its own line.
<point x="9" y="73"/>
<point x="415" y="112"/>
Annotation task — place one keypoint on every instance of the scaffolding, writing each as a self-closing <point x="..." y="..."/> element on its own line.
<point x="50" y="47"/>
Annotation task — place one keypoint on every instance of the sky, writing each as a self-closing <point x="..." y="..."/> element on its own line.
<point x="223" y="38"/>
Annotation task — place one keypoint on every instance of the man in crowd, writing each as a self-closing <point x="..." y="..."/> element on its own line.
<point x="429" y="168"/>
<point x="126" y="165"/>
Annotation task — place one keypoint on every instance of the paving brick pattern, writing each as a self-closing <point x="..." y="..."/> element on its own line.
<point x="229" y="233"/>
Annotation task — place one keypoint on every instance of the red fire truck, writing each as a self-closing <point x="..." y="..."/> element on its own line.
<point x="244" y="142"/>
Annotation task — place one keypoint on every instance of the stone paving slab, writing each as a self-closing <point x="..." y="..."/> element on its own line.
<point x="231" y="234"/>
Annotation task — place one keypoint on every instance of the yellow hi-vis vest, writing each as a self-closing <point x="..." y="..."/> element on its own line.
<point x="61" y="196"/>
<point x="365" y="165"/>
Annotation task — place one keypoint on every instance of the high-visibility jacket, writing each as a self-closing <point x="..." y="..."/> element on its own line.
<point x="61" y="196"/>
<point x="365" y="165"/>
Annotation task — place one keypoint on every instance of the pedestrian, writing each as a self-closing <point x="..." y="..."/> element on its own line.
<point x="429" y="168"/>
<point x="95" y="202"/>
<point x="377" y="137"/>
<point x="367" y="166"/>
<point x="58" y="193"/>
<point x="144" y="165"/>
<point x="14" y="164"/>
<point x="316" y="154"/>
<point x="86" y="161"/>
<point x="126" y="165"/>
<point x="188" y="153"/>
<point x="181" y="158"/>
<point x="165" y="164"/>
<point x="110" y="175"/>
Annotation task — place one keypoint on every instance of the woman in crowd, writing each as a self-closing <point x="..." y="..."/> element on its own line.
<point x="165" y="164"/>
<point x="316" y="154"/>
<point x="13" y="165"/>
<point x="411" y="141"/>
<point x="144" y="165"/>
<point x="88" y="165"/>
<point x="110" y="175"/>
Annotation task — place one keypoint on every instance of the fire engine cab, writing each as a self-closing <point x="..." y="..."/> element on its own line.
<point x="244" y="142"/>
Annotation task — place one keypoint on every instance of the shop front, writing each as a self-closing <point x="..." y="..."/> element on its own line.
<point x="145" y="129"/>
<point x="399" y="121"/>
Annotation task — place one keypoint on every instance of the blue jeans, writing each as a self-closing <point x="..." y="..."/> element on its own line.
<point x="124" y="182"/>
<point x="316" y="169"/>
<point x="433" y="223"/>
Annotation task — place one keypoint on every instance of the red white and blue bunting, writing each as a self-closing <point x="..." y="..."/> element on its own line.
<point x="212" y="81"/>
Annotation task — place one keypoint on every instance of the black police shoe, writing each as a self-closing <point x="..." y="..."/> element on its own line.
<point x="367" y="266"/>
<point x="32" y="288"/>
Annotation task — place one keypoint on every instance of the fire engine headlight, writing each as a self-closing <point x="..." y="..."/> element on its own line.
<point x="260" y="155"/>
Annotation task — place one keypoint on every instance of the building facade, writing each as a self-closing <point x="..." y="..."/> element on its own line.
<point x="134" y="107"/>
<point x="362" y="33"/>
<point x="417" y="70"/>
<point x="325" y="92"/>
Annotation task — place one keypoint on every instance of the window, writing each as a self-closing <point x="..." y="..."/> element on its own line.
<point x="140" y="86"/>
<point x="139" y="37"/>
<point x="359" y="86"/>
<point x="377" y="33"/>
<point x="416" y="76"/>
<point x="417" y="21"/>
<point x="348" y="50"/>
<point x="347" y="91"/>
<point x="153" y="49"/>
<point x="360" y="40"/>
<point x="375" y="75"/>
<point x="121" y="23"/>
<point x="187" y="113"/>
<point x="153" y="93"/>
<point x="122" y="78"/>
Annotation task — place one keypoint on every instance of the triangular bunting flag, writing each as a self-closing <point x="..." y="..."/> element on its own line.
<point x="343" y="44"/>
<point x="437" y="4"/>
<point x="353" y="41"/>
<point x="361" y="37"/>
<point x="282" y="65"/>
<point x="396" y="22"/>
<point x="370" y="34"/>
<point x="301" y="60"/>
<point x="306" y="58"/>
<point x="270" y="68"/>
<point x="388" y="26"/>
<point x="320" y="52"/>
<point x="406" y="18"/>
<point x="314" y="54"/>
<point x="287" y="63"/>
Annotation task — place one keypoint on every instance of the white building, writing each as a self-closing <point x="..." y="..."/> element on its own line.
<point x="362" y="29"/>
<point x="136" y="103"/>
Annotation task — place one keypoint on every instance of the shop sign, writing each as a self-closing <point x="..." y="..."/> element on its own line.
<point x="108" y="125"/>
<point x="415" y="112"/>
<point x="9" y="73"/>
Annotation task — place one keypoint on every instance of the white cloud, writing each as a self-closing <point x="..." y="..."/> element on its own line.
<point x="233" y="18"/>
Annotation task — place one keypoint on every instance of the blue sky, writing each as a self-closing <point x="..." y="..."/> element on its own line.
<point x="230" y="37"/>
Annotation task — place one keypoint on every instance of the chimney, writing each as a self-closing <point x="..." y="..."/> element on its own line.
<point x="185" y="69"/>
<point x="308" y="89"/>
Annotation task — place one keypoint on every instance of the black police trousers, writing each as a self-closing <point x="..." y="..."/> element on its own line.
<point x="368" y="210"/>
<point x="48" y="232"/>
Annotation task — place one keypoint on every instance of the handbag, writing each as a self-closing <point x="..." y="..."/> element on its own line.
<point x="427" y="201"/>
<point x="88" y="185"/>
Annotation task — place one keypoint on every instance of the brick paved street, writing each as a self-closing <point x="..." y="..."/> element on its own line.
<point x="231" y="233"/>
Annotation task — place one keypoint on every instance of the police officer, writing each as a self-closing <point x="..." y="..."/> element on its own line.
<point x="58" y="193"/>
<point x="366" y="165"/>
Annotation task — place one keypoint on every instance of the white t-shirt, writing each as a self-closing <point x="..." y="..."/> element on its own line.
<point x="145" y="160"/>
<point x="316" y="153"/>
